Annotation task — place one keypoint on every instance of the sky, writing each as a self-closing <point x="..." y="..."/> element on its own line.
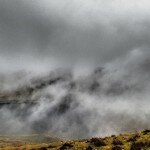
<point x="85" y="63"/>
<point x="71" y="33"/>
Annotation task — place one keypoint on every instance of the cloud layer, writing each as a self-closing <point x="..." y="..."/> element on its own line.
<point x="72" y="32"/>
<point x="74" y="68"/>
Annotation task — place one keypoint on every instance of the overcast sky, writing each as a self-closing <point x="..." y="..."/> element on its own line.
<point x="49" y="33"/>
<point x="41" y="35"/>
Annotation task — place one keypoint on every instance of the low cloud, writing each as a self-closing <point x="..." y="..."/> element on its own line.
<point x="74" y="69"/>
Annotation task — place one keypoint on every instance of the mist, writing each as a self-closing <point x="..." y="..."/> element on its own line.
<point x="73" y="68"/>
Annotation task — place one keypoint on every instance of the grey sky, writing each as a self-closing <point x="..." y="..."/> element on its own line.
<point x="41" y="35"/>
<point x="70" y="32"/>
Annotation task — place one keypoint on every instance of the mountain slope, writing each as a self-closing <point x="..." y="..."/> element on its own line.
<point x="128" y="141"/>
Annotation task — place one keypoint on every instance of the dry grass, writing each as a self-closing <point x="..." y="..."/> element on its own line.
<point x="137" y="141"/>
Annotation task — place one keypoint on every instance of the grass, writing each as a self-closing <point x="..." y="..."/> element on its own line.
<point x="128" y="141"/>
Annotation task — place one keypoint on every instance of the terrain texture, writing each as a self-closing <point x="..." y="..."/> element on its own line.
<point x="127" y="141"/>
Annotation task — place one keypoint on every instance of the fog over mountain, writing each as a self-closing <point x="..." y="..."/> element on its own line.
<point x="74" y="68"/>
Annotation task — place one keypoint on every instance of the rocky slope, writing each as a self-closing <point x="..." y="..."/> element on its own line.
<point x="127" y="141"/>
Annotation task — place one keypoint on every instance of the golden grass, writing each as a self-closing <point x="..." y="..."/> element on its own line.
<point x="129" y="141"/>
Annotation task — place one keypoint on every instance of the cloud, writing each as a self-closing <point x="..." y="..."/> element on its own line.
<point x="65" y="105"/>
<point x="101" y="50"/>
<point x="71" y="32"/>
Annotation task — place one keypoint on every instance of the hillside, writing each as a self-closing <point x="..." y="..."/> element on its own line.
<point x="127" y="141"/>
